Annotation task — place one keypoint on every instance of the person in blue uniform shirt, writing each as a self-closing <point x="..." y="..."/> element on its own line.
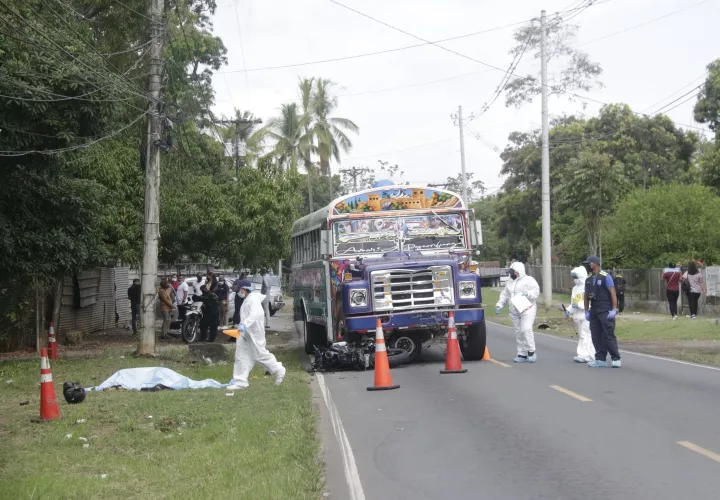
<point x="600" y="311"/>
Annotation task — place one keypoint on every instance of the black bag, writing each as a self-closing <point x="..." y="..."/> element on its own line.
<point x="686" y="285"/>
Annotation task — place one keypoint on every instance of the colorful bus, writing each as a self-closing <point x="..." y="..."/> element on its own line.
<point x="398" y="253"/>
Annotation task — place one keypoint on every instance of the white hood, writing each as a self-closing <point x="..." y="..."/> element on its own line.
<point x="519" y="268"/>
<point x="582" y="275"/>
<point x="255" y="297"/>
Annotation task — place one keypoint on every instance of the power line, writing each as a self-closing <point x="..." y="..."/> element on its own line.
<point x="62" y="49"/>
<point x="78" y="146"/>
<point x="386" y="51"/>
<point x="503" y="82"/>
<point x="644" y="23"/>
<point x="679" y="90"/>
<point x="242" y="49"/>
<point x="133" y="10"/>
<point x="128" y="83"/>
<point x="676" y="100"/>
<point x="464" y="56"/>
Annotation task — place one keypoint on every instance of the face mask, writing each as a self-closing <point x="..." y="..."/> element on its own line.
<point x="243" y="294"/>
<point x="174" y="280"/>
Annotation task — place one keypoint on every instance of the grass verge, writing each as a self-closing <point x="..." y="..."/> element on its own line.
<point x="258" y="444"/>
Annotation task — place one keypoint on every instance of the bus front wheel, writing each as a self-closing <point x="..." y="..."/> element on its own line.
<point x="473" y="346"/>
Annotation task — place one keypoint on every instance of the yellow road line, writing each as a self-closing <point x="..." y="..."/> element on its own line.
<point x="499" y="363"/>
<point x="697" y="449"/>
<point x="571" y="393"/>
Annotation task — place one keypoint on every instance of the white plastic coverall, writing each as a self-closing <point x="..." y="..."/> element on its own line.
<point x="585" y="348"/>
<point x="523" y="323"/>
<point x="250" y="347"/>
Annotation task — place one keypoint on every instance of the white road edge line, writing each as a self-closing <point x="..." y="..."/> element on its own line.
<point x="699" y="449"/>
<point x="651" y="356"/>
<point x="352" y="477"/>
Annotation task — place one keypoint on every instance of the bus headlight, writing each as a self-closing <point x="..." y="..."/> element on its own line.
<point x="467" y="289"/>
<point x="358" y="297"/>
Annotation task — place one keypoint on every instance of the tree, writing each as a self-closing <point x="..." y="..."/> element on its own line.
<point x="494" y="247"/>
<point x="329" y="131"/>
<point x="475" y="189"/>
<point x="289" y="133"/>
<point x="577" y="74"/>
<point x="367" y="177"/>
<point x="666" y="223"/>
<point x="594" y="184"/>
<point x="707" y="107"/>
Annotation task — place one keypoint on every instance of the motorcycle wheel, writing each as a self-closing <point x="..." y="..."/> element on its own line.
<point x="190" y="329"/>
<point x="396" y="357"/>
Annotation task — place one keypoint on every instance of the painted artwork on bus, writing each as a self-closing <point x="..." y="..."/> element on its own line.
<point x="397" y="198"/>
<point x="390" y="234"/>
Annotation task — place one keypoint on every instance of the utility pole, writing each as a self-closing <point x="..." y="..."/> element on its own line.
<point x="546" y="241"/>
<point x="354" y="172"/>
<point x="151" y="232"/>
<point x="238" y="133"/>
<point x="458" y="118"/>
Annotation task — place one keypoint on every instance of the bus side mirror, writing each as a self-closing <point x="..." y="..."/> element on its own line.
<point x="476" y="233"/>
<point x="325" y="241"/>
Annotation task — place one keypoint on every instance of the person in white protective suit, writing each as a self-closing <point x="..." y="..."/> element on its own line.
<point x="521" y="290"/>
<point x="585" y="348"/>
<point x="250" y="346"/>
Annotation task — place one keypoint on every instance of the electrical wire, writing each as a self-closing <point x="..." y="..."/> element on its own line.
<point x="88" y="67"/>
<point x="386" y="51"/>
<point x="133" y="10"/>
<point x="679" y="90"/>
<point x="78" y="146"/>
<point x="503" y="82"/>
<point x="242" y="49"/>
<point x="644" y="23"/>
<point x="128" y="84"/>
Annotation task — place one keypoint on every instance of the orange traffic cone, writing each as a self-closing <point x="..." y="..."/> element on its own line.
<point x="383" y="379"/>
<point x="452" y="358"/>
<point x="49" y="409"/>
<point x="486" y="356"/>
<point x="52" y="343"/>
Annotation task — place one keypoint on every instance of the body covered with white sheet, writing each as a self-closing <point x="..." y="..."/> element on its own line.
<point x="521" y="292"/>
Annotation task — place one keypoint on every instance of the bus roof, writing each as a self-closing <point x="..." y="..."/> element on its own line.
<point x="395" y="198"/>
<point x="311" y="221"/>
<point x="381" y="200"/>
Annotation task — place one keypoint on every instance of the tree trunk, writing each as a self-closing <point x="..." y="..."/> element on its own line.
<point x="57" y="302"/>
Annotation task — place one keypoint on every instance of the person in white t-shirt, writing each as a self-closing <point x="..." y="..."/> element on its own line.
<point x="182" y="295"/>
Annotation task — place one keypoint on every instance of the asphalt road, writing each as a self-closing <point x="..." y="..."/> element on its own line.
<point x="551" y="430"/>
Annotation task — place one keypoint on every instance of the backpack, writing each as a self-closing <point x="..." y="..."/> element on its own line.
<point x="686" y="284"/>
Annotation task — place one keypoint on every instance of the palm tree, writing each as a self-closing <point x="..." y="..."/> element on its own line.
<point x="328" y="131"/>
<point x="288" y="131"/>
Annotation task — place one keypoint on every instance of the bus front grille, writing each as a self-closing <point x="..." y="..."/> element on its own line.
<point x="398" y="289"/>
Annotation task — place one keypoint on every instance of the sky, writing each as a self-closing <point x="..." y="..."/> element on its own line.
<point x="406" y="120"/>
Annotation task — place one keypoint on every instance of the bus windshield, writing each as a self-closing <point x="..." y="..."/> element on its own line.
<point x="427" y="232"/>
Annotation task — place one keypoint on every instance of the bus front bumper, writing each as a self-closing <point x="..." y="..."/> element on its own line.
<point x="413" y="320"/>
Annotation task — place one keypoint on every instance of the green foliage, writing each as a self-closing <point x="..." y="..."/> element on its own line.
<point x="494" y="247"/>
<point x="707" y="107"/>
<point x="593" y="186"/>
<point x="588" y="158"/>
<point x="669" y="223"/>
<point x="475" y="189"/>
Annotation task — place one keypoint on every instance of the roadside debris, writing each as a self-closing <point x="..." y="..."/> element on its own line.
<point x="68" y="436"/>
<point x="25" y="403"/>
<point x="80" y="421"/>
<point x="83" y="439"/>
<point x="343" y="356"/>
<point x="86" y="446"/>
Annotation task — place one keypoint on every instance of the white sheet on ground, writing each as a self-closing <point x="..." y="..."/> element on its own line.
<point x="135" y="379"/>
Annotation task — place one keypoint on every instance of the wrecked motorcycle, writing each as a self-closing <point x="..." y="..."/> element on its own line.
<point x="343" y="356"/>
